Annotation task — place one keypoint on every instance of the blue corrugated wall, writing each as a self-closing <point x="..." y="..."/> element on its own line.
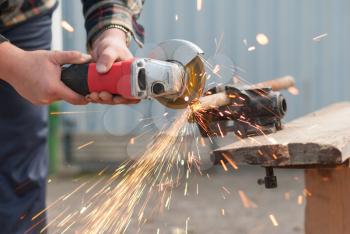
<point x="321" y="69"/>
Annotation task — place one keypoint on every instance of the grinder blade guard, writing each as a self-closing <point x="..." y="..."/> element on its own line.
<point x="189" y="56"/>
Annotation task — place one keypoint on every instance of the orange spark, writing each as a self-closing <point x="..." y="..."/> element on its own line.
<point x="65" y="25"/>
<point x="307" y="193"/>
<point x="272" y="140"/>
<point x="273" y="220"/>
<point x="262" y="39"/>
<point x="186" y="188"/>
<point x="223" y="165"/>
<point x="84" y="145"/>
<point x="300" y="200"/>
<point x="274" y="156"/>
<point x="287" y="196"/>
<point x="225" y="189"/>
<point x="251" y="48"/>
<point x="199" y="5"/>
<point x="202" y="141"/>
<point x="221" y="133"/>
<point x="216" y="69"/>
<point x="293" y="90"/>
<point x="245" y="200"/>
<point x="319" y="37"/>
<point x="230" y="161"/>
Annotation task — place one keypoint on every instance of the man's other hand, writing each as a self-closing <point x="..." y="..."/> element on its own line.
<point x="108" y="48"/>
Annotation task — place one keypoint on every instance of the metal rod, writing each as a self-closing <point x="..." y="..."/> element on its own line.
<point x="221" y="99"/>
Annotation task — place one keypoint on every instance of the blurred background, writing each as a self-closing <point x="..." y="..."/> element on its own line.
<point x="254" y="40"/>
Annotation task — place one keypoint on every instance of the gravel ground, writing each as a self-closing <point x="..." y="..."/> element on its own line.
<point x="217" y="208"/>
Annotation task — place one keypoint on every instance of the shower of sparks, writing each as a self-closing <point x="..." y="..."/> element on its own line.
<point x="152" y="172"/>
<point x="132" y="141"/>
<point x="262" y="39"/>
<point x="320" y="37"/>
<point x="67" y="26"/>
<point x="273" y="220"/>
<point x="199" y="5"/>
<point x="84" y="145"/>
<point x="53" y="220"/>
<point x="134" y="185"/>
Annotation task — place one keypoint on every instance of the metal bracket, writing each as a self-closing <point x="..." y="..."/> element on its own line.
<point x="270" y="180"/>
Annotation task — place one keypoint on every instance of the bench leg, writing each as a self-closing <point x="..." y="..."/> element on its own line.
<point x="328" y="207"/>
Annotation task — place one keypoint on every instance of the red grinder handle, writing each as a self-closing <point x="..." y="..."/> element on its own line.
<point x="84" y="79"/>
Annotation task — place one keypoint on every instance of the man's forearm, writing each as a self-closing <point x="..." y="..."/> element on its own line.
<point x="10" y="57"/>
<point x="100" y="15"/>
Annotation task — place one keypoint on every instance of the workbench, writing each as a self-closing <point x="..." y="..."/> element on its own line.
<point x="318" y="142"/>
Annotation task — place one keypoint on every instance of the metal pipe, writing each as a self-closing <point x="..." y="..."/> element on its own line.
<point x="221" y="99"/>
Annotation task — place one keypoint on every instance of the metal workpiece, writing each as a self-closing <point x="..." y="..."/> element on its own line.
<point x="248" y="112"/>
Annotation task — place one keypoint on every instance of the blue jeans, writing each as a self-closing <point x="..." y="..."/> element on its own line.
<point x="23" y="141"/>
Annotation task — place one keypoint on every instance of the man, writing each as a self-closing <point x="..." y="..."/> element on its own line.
<point x="30" y="78"/>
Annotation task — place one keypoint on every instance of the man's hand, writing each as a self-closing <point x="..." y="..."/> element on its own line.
<point x="108" y="48"/>
<point x="36" y="75"/>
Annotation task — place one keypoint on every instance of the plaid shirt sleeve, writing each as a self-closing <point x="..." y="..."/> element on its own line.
<point x="101" y="14"/>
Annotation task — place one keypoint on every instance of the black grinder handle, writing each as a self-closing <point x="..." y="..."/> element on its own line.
<point x="75" y="76"/>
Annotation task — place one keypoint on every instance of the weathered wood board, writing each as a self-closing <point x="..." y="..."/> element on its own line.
<point x="322" y="137"/>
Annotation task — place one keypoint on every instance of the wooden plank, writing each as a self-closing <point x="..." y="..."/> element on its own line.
<point x="322" y="137"/>
<point x="328" y="206"/>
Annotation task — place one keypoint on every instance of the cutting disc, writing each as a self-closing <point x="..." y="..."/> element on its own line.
<point x="190" y="56"/>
